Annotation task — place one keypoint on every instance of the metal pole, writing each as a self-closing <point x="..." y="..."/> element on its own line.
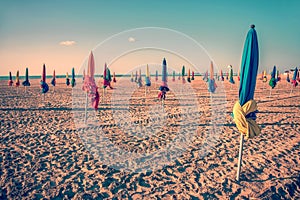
<point x="240" y="158"/>
<point x="85" y="110"/>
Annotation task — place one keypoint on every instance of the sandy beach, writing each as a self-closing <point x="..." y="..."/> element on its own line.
<point x="45" y="154"/>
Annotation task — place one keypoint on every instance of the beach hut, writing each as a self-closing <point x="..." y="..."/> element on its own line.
<point x="244" y="109"/>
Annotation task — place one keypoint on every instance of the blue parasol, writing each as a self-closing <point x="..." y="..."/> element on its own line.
<point x="244" y="109"/>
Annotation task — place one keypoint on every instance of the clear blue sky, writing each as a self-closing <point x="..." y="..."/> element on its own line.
<point x="30" y="31"/>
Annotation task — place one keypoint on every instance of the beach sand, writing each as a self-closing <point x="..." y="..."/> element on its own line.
<point x="44" y="154"/>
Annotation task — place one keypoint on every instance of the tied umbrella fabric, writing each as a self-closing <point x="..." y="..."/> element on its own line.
<point x="272" y="81"/>
<point x="131" y="79"/>
<point x="288" y="77"/>
<point x="114" y="78"/>
<point x="53" y="81"/>
<point x="246" y="126"/>
<point x="17" y="79"/>
<point x="193" y="76"/>
<point x="44" y="86"/>
<point x="277" y="76"/>
<point x="265" y="79"/>
<point x="89" y="85"/>
<point x="67" y="80"/>
<point x="173" y="79"/>
<point x="139" y="81"/>
<point x="164" y="86"/>
<point x="10" y="81"/>
<point x="231" y="75"/>
<point x="26" y="82"/>
<point x="189" y="76"/>
<point x="147" y="77"/>
<point x="222" y="77"/>
<point x="183" y="74"/>
<point x="106" y="77"/>
<point x="211" y="82"/>
<point x="244" y="109"/>
<point x="294" y="79"/>
<point x="73" y="80"/>
<point x="205" y="77"/>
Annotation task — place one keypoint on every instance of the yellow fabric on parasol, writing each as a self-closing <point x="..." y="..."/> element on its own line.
<point x="246" y="126"/>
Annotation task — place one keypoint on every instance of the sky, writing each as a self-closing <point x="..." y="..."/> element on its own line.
<point x="62" y="33"/>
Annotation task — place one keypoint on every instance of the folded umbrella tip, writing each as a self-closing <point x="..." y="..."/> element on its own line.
<point x="252" y="26"/>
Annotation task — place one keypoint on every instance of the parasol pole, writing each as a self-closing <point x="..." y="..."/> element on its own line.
<point x="240" y="158"/>
<point x="291" y="90"/>
<point x="85" y="109"/>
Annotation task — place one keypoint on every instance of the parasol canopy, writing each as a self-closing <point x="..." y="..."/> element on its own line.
<point x="231" y="74"/>
<point x="53" y="81"/>
<point x="272" y="81"/>
<point x="147" y="77"/>
<point x="106" y="77"/>
<point x="43" y="84"/>
<point x="164" y="85"/>
<point x="173" y="79"/>
<point x="189" y="76"/>
<point x="26" y="82"/>
<point x="17" y="79"/>
<point x="67" y="79"/>
<point x="221" y="74"/>
<point x="288" y="77"/>
<point x="114" y="77"/>
<point x="131" y="79"/>
<point x="211" y="82"/>
<point x="89" y="85"/>
<point x="139" y="82"/>
<point x="73" y="80"/>
<point x="265" y="78"/>
<point x="136" y="76"/>
<point x="294" y="79"/>
<point x="183" y="74"/>
<point x="244" y="109"/>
